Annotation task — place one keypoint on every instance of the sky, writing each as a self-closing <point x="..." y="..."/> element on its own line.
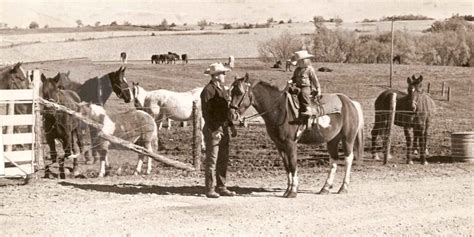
<point x="64" y="13"/>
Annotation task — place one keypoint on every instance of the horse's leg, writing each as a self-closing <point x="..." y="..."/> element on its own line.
<point x="67" y="152"/>
<point x="349" y="157"/>
<point x="284" y="157"/>
<point x="103" y="156"/>
<point x="149" y="147"/>
<point x="375" y="134"/>
<point x="53" y="153"/>
<point x="333" y="153"/>
<point x="75" y="133"/>
<point x="138" y="168"/>
<point x="409" y="141"/>
<point x="423" y="138"/>
<point x="292" y="165"/>
<point x="168" y="120"/>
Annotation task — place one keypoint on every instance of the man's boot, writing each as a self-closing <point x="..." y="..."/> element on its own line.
<point x="223" y="191"/>
<point x="210" y="186"/>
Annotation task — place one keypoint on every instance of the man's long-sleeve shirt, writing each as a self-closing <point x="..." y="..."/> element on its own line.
<point x="215" y="106"/>
<point x="306" y="76"/>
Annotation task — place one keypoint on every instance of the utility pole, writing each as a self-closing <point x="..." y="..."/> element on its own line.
<point x="391" y="54"/>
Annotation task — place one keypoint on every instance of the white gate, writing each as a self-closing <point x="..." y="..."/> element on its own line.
<point x="17" y="160"/>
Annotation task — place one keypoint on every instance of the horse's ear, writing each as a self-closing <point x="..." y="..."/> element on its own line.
<point x="68" y="72"/>
<point x="123" y="69"/>
<point x="56" y="78"/>
<point x="409" y="80"/>
<point x="420" y="79"/>
<point x="43" y="78"/>
<point x="16" y="67"/>
<point x="120" y="69"/>
<point x="246" y="77"/>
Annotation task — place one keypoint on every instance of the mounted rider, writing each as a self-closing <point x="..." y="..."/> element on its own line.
<point x="304" y="82"/>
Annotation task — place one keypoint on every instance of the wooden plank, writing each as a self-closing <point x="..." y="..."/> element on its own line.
<point x="18" y="138"/>
<point x="18" y="156"/>
<point x="16" y="95"/>
<point x="14" y="171"/>
<point x="2" y="162"/>
<point x="16" y="120"/>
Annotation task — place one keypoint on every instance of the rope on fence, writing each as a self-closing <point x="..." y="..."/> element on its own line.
<point x="116" y="140"/>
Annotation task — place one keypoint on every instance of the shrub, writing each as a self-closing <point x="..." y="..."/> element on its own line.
<point x="454" y="23"/>
<point x="33" y="25"/>
<point x="227" y="26"/>
<point x="279" y="48"/>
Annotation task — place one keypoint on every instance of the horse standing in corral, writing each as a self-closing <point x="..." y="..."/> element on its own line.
<point x="163" y="104"/>
<point x="60" y="125"/>
<point x="171" y="57"/>
<point x="98" y="90"/>
<point x="155" y="58"/>
<point x="14" y="77"/>
<point x="413" y="111"/>
<point x="274" y="107"/>
<point x="185" y="58"/>
<point x="134" y="126"/>
<point x="123" y="57"/>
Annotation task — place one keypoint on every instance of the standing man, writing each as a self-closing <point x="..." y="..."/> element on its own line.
<point x="215" y="111"/>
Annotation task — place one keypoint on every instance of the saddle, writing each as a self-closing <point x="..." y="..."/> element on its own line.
<point x="319" y="106"/>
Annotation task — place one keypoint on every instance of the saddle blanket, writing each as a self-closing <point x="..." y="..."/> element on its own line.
<point x="326" y="104"/>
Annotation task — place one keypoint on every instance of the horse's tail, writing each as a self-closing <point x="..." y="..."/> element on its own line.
<point x="359" y="141"/>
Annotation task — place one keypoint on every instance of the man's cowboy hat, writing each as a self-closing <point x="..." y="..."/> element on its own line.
<point x="216" y="68"/>
<point x="302" y="54"/>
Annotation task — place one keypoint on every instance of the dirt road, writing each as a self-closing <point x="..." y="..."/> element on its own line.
<point x="414" y="200"/>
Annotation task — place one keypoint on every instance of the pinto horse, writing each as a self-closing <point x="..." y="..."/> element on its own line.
<point x="134" y="126"/>
<point x="272" y="106"/>
<point x="60" y="125"/>
<point x="97" y="91"/>
<point x="413" y="111"/>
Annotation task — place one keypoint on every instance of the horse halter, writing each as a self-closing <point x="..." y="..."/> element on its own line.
<point x="246" y="91"/>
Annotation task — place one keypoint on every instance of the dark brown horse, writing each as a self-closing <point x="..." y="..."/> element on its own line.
<point x="413" y="111"/>
<point x="271" y="104"/>
<point x="97" y="91"/>
<point x="14" y="77"/>
<point x="60" y="125"/>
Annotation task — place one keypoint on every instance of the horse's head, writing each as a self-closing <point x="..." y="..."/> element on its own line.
<point x="241" y="97"/>
<point x="63" y="80"/>
<point x="15" y="78"/>
<point x="414" y="90"/>
<point x="138" y="95"/>
<point x="50" y="88"/>
<point x="120" y="85"/>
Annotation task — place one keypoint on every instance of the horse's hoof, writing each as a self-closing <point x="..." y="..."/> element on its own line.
<point x="375" y="157"/>
<point x="101" y="175"/>
<point x="343" y="190"/>
<point x="292" y="195"/>
<point x="324" y="191"/>
<point x="410" y="162"/>
<point x="135" y="173"/>
<point x="415" y="152"/>
<point x="424" y="162"/>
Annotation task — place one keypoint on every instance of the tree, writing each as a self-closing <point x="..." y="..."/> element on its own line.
<point x="46" y="26"/>
<point x="318" y="21"/>
<point x="33" y="25"/>
<point x="79" y="23"/>
<point x="113" y="23"/>
<point x="202" y="23"/>
<point x="280" y="48"/>
<point x="173" y="24"/>
<point x="164" y="23"/>
<point x="126" y="23"/>
<point x="97" y="24"/>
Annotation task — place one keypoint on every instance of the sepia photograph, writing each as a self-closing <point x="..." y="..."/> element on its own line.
<point x="236" y="118"/>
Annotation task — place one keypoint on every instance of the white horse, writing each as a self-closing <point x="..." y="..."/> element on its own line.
<point x="142" y="131"/>
<point x="165" y="104"/>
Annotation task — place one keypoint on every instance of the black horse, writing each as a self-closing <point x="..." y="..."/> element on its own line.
<point x="413" y="110"/>
<point x="60" y="125"/>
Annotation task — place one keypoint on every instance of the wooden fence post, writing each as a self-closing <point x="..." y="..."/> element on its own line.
<point x="449" y="93"/>
<point x="391" y="120"/>
<point x="443" y="88"/>
<point x="196" y="137"/>
<point x="38" y="144"/>
<point x="10" y="111"/>
<point x="428" y="87"/>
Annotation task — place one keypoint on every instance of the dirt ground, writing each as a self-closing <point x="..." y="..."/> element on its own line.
<point x="383" y="200"/>
<point x="392" y="200"/>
